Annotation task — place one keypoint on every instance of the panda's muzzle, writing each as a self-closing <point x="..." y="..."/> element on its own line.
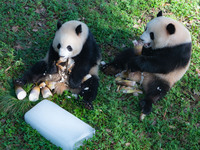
<point x="63" y="58"/>
<point x="146" y="45"/>
<point x="145" y="38"/>
<point x="63" y="53"/>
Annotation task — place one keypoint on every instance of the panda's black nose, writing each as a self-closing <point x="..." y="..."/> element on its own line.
<point x="142" y="39"/>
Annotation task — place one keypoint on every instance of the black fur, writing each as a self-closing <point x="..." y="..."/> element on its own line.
<point x="52" y="59"/>
<point x="84" y="61"/>
<point x="59" y="24"/>
<point x="78" y="29"/>
<point x="162" y="60"/>
<point x="159" y="14"/>
<point x="89" y="91"/>
<point x="171" y="28"/>
<point x="152" y="35"/>
<point x="58" y="46"/>
<point x="156" y="90"/>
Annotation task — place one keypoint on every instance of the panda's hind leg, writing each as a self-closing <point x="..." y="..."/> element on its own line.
<point x="155" y="90"/>
<point x="89" y="90"/>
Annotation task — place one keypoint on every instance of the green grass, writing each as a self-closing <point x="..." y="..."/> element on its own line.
<point x="27" y="29"/>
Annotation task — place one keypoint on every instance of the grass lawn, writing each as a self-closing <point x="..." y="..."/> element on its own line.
<point x="26" y="31"/>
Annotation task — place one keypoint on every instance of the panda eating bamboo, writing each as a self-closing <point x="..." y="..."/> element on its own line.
<point x="75" y="45"/>
<point x="165" y="57"/>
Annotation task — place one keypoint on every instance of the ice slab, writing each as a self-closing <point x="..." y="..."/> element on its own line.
<point x="59" y="126"/>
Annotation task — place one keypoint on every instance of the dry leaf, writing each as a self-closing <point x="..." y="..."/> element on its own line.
<point x="15" y="28"/>
<point x="165" y="114"/>
<point x="172" y="127"/>
<point x="39" y="24"/>
<point x="159" y="134"/>
<point x="136" y="26"/>
<point x="198" y="71"/>
<point x="108" y="130"/>
<point x="166" y="4"/>
<point x="35" y="30"/>
<point x="139" y="21"/>
<point x="17" y="47"/>
<point x="128" y="144"/>
<point x="39" y="11"/>
<point x="7" y="69"/>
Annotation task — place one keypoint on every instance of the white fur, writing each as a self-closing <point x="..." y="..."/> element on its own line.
<point x="161" y="37"/>
<point x="67" y="36"/>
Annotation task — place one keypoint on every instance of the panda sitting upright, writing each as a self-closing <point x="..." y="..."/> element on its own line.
<point x="164" y="60"/>
<point x="73" y="40"/>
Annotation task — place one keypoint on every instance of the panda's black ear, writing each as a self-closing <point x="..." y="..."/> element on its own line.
<point x="78" y="29"/>
<point x="159" y="14"/>
<point x="59" y="24"/>
<point x="171" y="28"/>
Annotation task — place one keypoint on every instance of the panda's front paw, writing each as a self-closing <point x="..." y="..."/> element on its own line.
<point x="146" y="106"/>
<point x="110" y="69"/>
<point x="73" y="83"/>
<point x="19" y="82"/>
<point x="88" y="105"/>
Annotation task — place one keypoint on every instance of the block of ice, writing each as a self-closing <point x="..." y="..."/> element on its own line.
<point x="57" y="125"/>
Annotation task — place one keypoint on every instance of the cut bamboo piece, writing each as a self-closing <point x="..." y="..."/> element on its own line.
<point x="43" y="84"/>
<point x="51" y="85"/>
<point x="34" y="95"/>
<point x="21" y="94"/>
<point x="120" y="81"/>
<point x="46" y="92"/>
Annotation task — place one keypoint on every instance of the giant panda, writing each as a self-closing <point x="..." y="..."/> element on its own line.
<point x="165" y="58"/>
<point x="73" y="40"/>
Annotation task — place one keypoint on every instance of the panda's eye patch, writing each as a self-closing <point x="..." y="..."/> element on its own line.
<point x="59" y="46"/>
<point x="69" y="48"/>
<point x="145" y="29"/>
<point x="152" y="35"/>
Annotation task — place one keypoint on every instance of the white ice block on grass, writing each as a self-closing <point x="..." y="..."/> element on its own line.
<point x="57" y="125"/>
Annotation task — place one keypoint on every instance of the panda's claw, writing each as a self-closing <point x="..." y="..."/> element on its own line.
<point x="110" y="69"/>
<point x="18" y="82"/>
<point x="146" y="106"/>
<point x="88" y="105"/>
